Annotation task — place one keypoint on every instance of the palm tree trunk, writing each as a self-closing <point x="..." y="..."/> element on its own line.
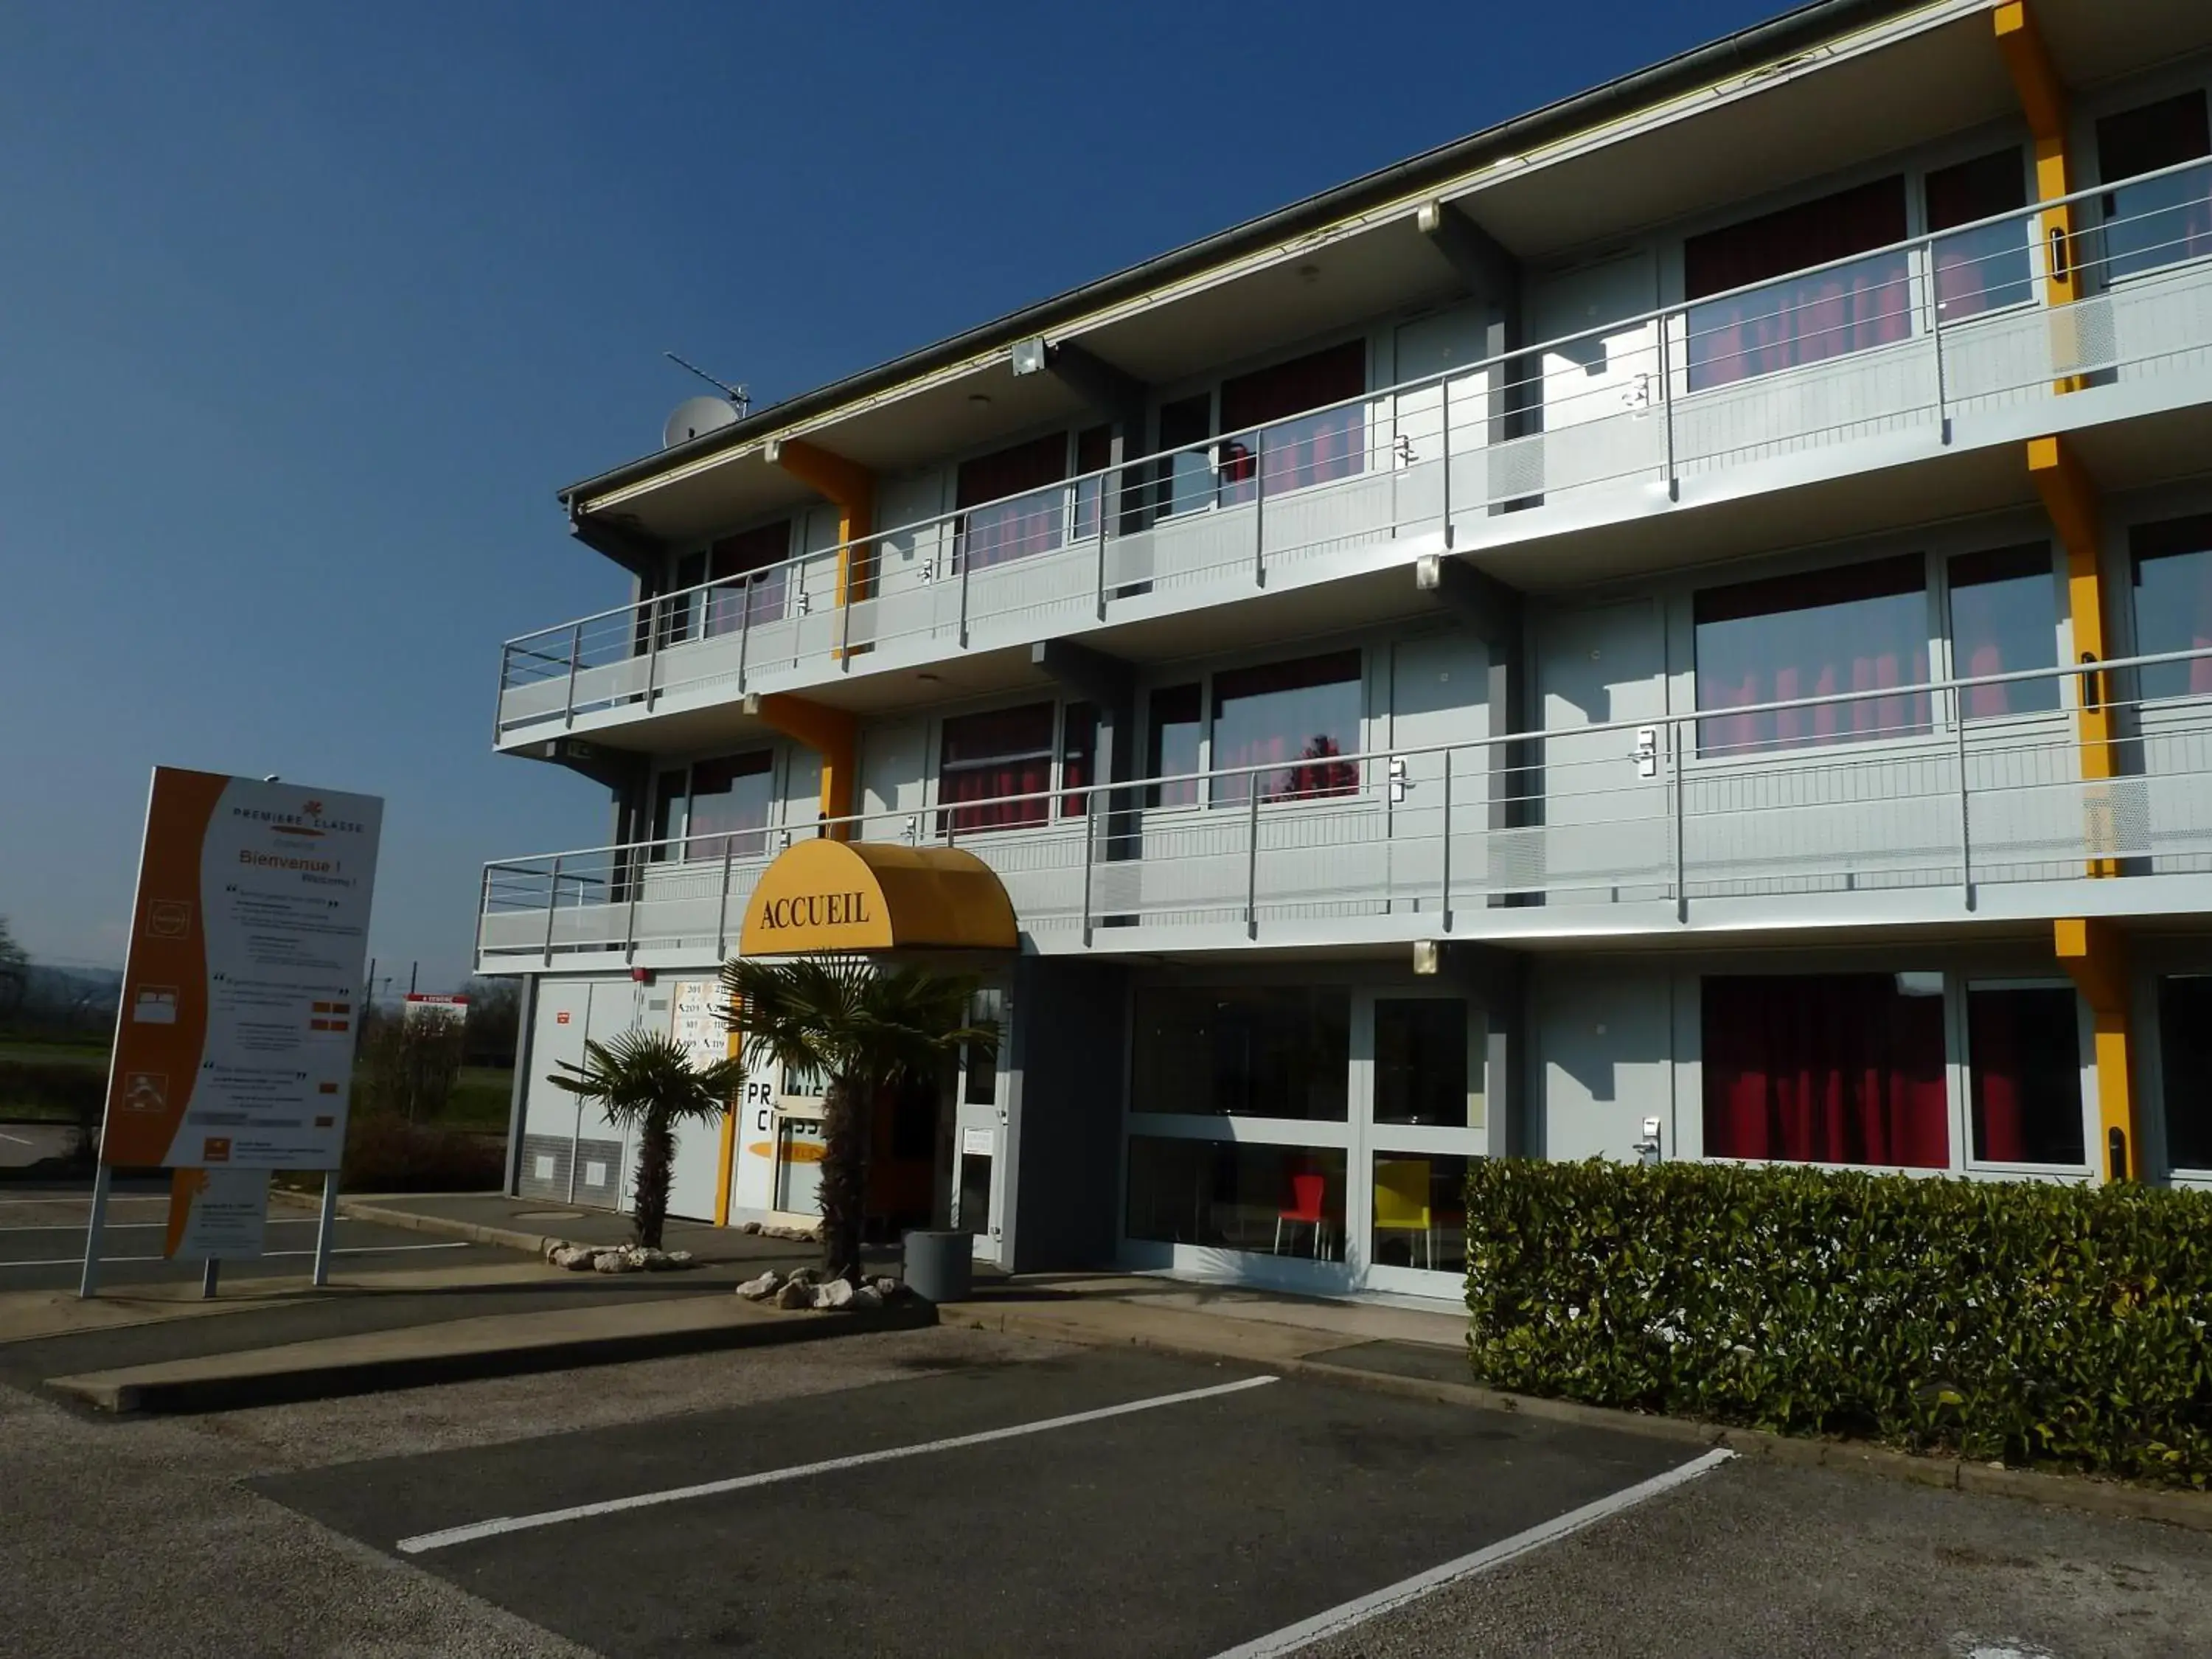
<point x="844" y="1177"/>
<point x="656" y="1151"/>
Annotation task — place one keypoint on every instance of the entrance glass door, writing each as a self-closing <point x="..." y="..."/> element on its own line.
<point x="1418" y="1082"/>
<point x="979" y="1130"/>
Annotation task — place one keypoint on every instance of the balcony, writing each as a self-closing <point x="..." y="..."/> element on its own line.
<point x="1935" y="347"/>
<point x="1660" y="828"/>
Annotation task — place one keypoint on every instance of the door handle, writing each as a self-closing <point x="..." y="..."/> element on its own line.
<point x="1647" y="751"/>
<point x="1399" y="782"/>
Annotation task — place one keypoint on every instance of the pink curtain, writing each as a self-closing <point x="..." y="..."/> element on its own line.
<point x="987" y="757"/>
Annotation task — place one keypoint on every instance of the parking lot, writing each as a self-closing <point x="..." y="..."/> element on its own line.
<point x="42" y="1241"/>
<point x="949" y="1491"/>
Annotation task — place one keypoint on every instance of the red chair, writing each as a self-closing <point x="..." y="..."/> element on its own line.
<point x="1309" y="1192"/>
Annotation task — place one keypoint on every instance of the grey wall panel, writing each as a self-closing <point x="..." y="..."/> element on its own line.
<point x="1605" y="1041"/>
<point x="1066" y="1100"/>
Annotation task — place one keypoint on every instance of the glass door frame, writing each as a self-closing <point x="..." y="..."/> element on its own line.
<point x="986" y="1121"/>
<point x="1369" y="1138"/>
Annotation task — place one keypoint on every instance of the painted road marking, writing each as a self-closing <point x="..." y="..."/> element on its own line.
<point x="266" y="1255"/>
<point x="507" y="1523"/>
<point x="1292" y="1637"/>
<point x="133" y="1226"/>
<point x="18" y="1140"/>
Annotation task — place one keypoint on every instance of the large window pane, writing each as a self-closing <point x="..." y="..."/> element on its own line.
<point x="1284" y="1200"/>
<point x="1421" y="1061"/>
<point x="1244" y="1051"/>
<point x="2173" y="604"/>
<point x="751" y="577"/>
<point x="2004" y="620"/>
<point x="2024" y="1070"/>
<point x="999" y="530"/>
<point x="2184" y="1033"/>
<point x="1784" y="323"/>
<point x="1186" y="478"/>
<point x="1420" y="1212"/>
<point x="1079" y="756"/>
<point x="1860" y="627"/>
<point x="1171" y="746"/>
<point x="1823" y="1069"/>
<point x="1294" y="719"/>
<point x="1980" y="270"/>
<point x="1289" y="453"/>
<point x="985" y="758"/>
<point x="2156" y="223"/>
<point x="730" y="801"/>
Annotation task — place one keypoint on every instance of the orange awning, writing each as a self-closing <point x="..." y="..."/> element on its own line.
<point x="863" y="895"/>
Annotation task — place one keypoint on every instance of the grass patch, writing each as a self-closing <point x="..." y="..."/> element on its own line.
<point x="30" y="1052"/>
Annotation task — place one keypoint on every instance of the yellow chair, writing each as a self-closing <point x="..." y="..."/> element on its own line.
<point x="1402" y="1203"/>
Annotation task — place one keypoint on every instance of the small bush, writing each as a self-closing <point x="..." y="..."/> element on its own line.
<point x="2030" y="1321"/>
<point x="409" y="1065"/>
<point x="384" y="1153"/>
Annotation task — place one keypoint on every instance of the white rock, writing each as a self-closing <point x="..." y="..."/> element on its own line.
<point x="759" y="1290"/>
<point x="886" y="1287"/>
<point x="679" y="1258"/>
<point x="794" y="1294"/>
<point x="752" y="1227"/>
<point x="804" y="1276"/>
<point x="835" y="1294"/>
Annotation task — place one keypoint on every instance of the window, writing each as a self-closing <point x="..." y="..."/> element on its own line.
<point x="2004" y="620"/>
<point x="1031" y="523"/>
<point x="1783" y="325"/>
<point x="1094" y="452"/>
<point x="1420" y="1212"/>
<point x="1186" y="478"/>
<point x="987" y="1011"/>
<point x="1292" y="719"/>
<point x="1420" y="1061"/>
<point x="986" y="757"/>
<point x="752" y="574"/>
<point x="1079" y="756"/>
<point x="1981" y="269"/>
<point x="1244" y="1051"/>
<point x="2173" y="604"/>
<point x="1286" y="1200"/>
<point x="1171" y="746"/>
<point x="2154" y="224"/>
<point x="2024" y="1072"/>
<point x="668" y="812"/>
<point x="1290" y="453"/>
<point x="1856" y="628"/>
<point x="729" y="806"/>
<point x="2185" y="1036"/>
<point x="1826" y="1068"/>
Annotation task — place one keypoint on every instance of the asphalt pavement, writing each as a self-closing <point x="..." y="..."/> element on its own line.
<point x="25" y="1144"/>
<point x="42" y="1232"/>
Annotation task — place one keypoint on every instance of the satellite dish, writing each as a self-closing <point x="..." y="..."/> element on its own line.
<point x="695" y="417"/>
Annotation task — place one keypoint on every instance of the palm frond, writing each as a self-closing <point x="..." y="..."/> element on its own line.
<point x="635" y="1073"/>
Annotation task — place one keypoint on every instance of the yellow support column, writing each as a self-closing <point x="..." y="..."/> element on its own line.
<point x="2069" y="496"/>
<point x="2095" y="957"/>
<point x="2043" y="101"/>
<point x="851" y="488"/>
<point x="832" y="733"/>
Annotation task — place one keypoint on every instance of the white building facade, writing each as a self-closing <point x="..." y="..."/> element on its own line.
<point x="1678" y="627"/>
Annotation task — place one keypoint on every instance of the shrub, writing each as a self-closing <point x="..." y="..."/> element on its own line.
<point x="386" y="1153"/>
<point x="408" y="1064"/>
<point x="2025" y="1321"/>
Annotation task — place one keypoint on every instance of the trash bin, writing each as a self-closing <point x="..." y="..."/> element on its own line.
<point x="938" y="1266"/>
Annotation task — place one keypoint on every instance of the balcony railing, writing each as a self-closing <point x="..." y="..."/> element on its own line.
<point x="1904" y="344"/>
<point x="1627" y="825"/>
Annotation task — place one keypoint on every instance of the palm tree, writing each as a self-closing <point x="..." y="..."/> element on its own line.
<point x="646" y="1081"/>
<point x="860" y="1027"/>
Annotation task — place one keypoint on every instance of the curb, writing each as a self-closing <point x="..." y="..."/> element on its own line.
<point x="117" y="1393"/>
<point x="415" y="1221"/>
<point x="2114" y="1499"/>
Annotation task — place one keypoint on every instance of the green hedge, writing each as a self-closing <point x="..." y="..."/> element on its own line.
<point x="2026" y="1322"/>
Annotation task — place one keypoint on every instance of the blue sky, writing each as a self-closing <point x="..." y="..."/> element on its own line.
<point x="307" y="311"/>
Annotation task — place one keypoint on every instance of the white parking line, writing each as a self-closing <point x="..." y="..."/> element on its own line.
<point x="78" y="1226"/>
<point x="17" y="1140"/>
<point x="266" y="1255"/>
<point x="1292" y="1637"/>
<point x="506" y="1523"/>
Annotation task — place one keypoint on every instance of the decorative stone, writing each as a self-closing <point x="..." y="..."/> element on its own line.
<point x="795" y="1295"/>
<point x="835" y="1294"/>
<point x="804" y="1276"/>
<point x="752" y="1227"/>
<point x="886" y="1287"/>
<point x="576" y="1258"/>
<point x="612" y="1261"/>
<point x="679" y="1258"/>
<point x="759" y="1290"/>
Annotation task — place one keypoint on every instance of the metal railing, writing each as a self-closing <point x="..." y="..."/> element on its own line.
<point x="1900" y="342"/>
<point x="1643" y="821"/>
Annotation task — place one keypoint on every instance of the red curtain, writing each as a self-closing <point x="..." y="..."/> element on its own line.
<point x="1993" y="1052"/>
<point x="1832" y="1069"/>
<point x="1296" y="715"/>
<point x="1786" y="324"/>
<point x="994" y="534"/>
<point x="1294" y="453"/>
<point x="987" y="757"/>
